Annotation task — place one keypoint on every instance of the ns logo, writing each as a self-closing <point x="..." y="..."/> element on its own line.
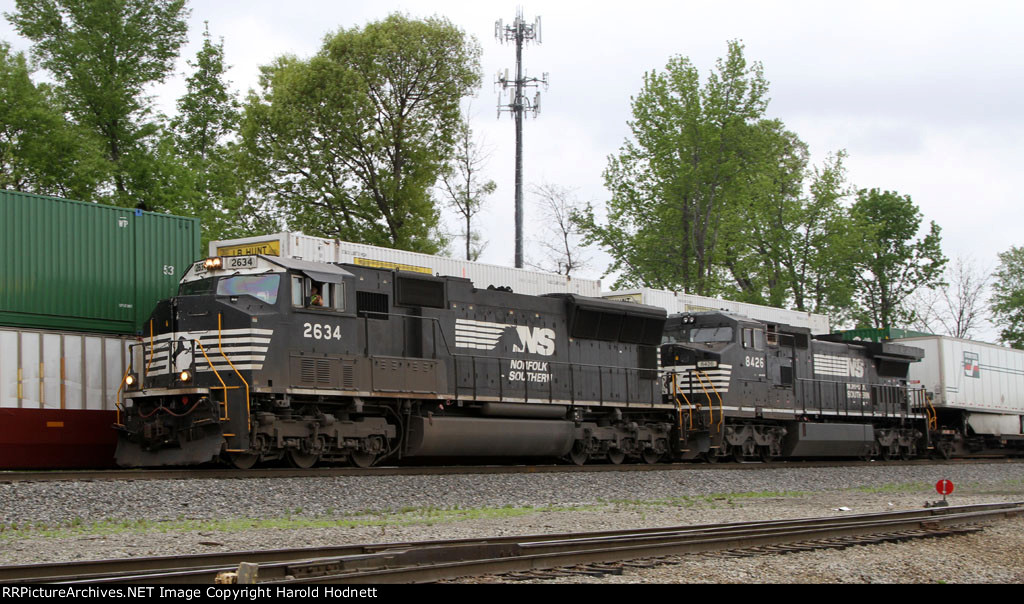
<point x="537" y="340"/>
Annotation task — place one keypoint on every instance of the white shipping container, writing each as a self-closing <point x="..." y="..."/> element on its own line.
<point x="969" y="375"/>
<point x="318" y="249"/>
<point x="675" y="302"/>
<point x="42" y="369"/>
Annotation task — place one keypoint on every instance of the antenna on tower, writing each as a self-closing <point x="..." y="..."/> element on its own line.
<point x="519" y="32"/>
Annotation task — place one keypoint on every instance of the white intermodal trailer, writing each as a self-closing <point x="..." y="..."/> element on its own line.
<point x="976" y="389"/>
<point x="319" y="249"/>
<point x="675" y="303"/>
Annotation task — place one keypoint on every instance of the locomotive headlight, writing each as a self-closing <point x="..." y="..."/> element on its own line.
<point x="129" y="380"/>
<point x="185" y="376"/>
<point x="213" y="263"/>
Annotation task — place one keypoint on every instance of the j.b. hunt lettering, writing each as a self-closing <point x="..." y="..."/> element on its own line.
<point x="528" y="371"/>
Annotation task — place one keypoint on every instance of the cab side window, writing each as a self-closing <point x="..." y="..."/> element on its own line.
<point x="307" y="293"/>
<point x="753" y="338"/>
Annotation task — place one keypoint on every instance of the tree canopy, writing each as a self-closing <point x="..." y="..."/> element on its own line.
<point x="352" y="141"/>
<point x="1008" y="297"/>
<point x="103" y="55"/>
<point x="39" y="151"/>
<point x="676" y="179"/>
<point x="893" y="262"/>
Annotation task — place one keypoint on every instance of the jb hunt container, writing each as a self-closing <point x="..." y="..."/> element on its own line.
<point x="71" y="265"/>
<point x="318" y="249"/>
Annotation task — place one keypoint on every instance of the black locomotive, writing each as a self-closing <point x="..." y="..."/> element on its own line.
<point x="263" y="358"/>
<point x="751" y="389"/>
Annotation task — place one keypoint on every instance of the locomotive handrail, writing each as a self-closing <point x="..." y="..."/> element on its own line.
<point x="933" y="417"/>
<point x="220" y="346"/>
<point x="456" y="357"/>
<point x="639" y="371"/>
<point x="721" y="412"/>
<point x="679" y="408"/>
<point x="151" y="349"/>
<point x="216" y="373"/>
<point x="711" y="406"/>
<point x="117" y="397"/>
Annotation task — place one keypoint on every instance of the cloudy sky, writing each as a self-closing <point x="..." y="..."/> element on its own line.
<point x="924" y="96"/>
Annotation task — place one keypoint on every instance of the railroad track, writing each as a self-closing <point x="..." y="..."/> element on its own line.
<point x="12" y="476"/>
<point x="589" y="553"/>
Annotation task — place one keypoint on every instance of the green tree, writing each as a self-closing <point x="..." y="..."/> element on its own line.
<point x="1008" y="297"/>
<point x="682" y="173"/>
<point x="203" y="138"/>
<point x="893" y="263"/>
<point x="39" y="151"/>
<point x="103" y="55"/>
<point x="761" y="231"/>
<point x="351" y="142"/>
<point x="826" y="245"/>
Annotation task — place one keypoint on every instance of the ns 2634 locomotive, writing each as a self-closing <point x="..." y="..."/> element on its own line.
<point x="263" y="358"/>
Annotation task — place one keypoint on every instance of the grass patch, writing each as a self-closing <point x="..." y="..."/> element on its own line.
<point x="366" y="518"/>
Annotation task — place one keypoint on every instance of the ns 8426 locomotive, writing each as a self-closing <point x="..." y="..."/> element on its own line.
<point x="751" y="389"/>
<point x="263" y="358"/>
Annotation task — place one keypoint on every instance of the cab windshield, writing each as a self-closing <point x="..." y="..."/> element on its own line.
<point x="262" y="287"/>
<point x="711" y="334"/>
<point x="701" y="335"/>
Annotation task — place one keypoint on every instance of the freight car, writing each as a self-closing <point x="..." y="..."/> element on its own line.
<point x="261" y="358"/>
<point x="977" y="392"/>
<point x="77" y="280"/>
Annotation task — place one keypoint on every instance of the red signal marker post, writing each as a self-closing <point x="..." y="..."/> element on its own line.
<point x="944" y="487"/>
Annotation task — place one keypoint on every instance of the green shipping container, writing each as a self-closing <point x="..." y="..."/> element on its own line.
<point x="88" y="267"/>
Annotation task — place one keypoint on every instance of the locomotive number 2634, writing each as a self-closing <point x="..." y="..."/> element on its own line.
<point x="321" y="332"/>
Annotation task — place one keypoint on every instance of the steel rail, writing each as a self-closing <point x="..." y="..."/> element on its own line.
<point x="536" y="556"/>
<point x="436" y="560"/>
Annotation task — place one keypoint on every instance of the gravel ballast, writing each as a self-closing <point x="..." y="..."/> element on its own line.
<point x="55" y="521"/>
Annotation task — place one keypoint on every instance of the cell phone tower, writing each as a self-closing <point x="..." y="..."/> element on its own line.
<point x="519" y="32"/>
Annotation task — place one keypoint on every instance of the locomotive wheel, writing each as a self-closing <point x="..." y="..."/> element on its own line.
<point x="579" y="454"/>
<point x="711" y="456"/>
<point x="737" y="454"/>
<point x="886" y="454"/>
<point x="765" y="453"/>
<point x="243" y="461"/>
<point x="362" y="459"/>
<point x="650" y="456"/>
<point x="616" y="456"/>
<point x="301" y="460"/>
<point x="945" y="450"/>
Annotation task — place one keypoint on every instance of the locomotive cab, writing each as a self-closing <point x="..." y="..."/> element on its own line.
<point x="206" y="350"/>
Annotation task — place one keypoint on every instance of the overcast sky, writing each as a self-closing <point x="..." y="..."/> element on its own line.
<point x="924" y="96"/>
